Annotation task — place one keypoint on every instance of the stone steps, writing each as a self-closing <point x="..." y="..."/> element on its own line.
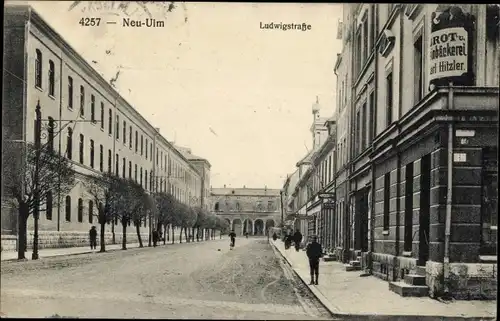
<point x="408" y="290"/>
<point x="415" y="279"/>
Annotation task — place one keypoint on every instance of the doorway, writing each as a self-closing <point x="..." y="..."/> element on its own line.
<point x="408" y="236"/>
<point x="424" y="221"/>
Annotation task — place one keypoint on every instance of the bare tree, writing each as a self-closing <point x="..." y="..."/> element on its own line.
<point x="165" y="207"/>
<point x="104" y="191"/>
<point x="56" y="176"/>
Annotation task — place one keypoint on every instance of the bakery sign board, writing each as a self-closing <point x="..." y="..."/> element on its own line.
<point x="448" y="54"/>
<point x="449" y="47"/>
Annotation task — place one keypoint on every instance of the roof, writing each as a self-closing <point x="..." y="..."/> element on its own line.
<point x="246" y="191"/>
<point x="306" y="158"/>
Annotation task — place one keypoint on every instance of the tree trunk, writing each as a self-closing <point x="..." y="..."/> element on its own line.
<point x="22" y="233"/>
<point x="180" y="235"/>
<point x="186" y="235"/>
<point x="165" y="229"/>
<point x="113" y="231"/>
<point x="124" y="233"/>
<point x="197" y="234"/>
<point x="138" y="231"/>
<point x="173" y="234"/>
<point x="101" y="237"/>
<point x="192" y="234"/>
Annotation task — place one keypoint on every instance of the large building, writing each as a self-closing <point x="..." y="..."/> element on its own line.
<point x="247" y="210"/>
<point x="417" y="131"/>
<point x="106" y="134"/>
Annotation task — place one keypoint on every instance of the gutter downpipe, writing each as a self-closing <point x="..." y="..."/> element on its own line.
<point x="373" y="135"/>
<point x="449" y="195"/>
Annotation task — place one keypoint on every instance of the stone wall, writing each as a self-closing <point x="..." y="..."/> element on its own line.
<point x="467" y="281"/>
<point x="9" y="243"/>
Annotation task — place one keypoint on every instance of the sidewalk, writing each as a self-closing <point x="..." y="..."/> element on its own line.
<point x="351" y="297"/>
<point x="12" y="255"/>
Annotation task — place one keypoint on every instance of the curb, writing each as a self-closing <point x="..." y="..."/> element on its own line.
<point x="350" y="316"/>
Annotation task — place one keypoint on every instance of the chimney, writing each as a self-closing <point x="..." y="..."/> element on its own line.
<point x="244" y="186"/>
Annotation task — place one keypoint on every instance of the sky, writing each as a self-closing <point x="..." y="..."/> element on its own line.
<point x="213" y="80"/>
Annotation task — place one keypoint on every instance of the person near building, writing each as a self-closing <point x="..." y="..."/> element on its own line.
<point x="297" y="238"/>
<point x="314" y="252"/>
<point x="155" y="237"/>
<point x="232" y="236"/>
<point x="93" y="238"/>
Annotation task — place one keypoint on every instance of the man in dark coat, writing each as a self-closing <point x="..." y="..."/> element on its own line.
<point x="314" y="252"/>
<point x="232" y="235"/>
<point x="297" y="238"/>
<point x="93" y="238"/>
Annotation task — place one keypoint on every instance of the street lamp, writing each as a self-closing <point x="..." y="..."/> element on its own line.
<point x="36" y="178"/>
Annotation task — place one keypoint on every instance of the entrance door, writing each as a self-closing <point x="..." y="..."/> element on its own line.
<point x="364" y="220"/>
<point x="489" y="203"/>
<point x="424" y="221"/>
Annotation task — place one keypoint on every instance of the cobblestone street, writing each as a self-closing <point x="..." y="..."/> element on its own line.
<point x="190" y="280"/>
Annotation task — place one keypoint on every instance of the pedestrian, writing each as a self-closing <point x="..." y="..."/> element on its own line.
<point x="297" y="238"/>
<point x="232" y="235"/>
<point x="93" y="238"/>
<point x="155" y="237"/>
<point x="314" y="252"/>
<point x="275" y="236"/>
<point x="246" y="234"/>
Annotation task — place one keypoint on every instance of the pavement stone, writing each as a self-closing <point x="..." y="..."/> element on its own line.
<point x="349" y="296"/>
<point x="12" y="255"/>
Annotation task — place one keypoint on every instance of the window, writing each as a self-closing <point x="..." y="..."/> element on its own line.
<point x="365" y="41"/>
<point x="101" y="158"/>
<point x="124" y="132"/>
<point x="418" y="79"/>
<point x="110" y="122"/>
<point x="372" y="124"/>
<point x="129" y="169"/>
<point x="80" y="210"/>
<point x="70" y="92"/>
<point x="136" y="141"/>
<point x="50" y="138"/>
<point x="387" y="189"/>
<point x="140" y="181"/>
<point x="52" y="86"/>
<point x="130" y="137"/>
<point x="92" y="153"/>
<point x="157" y="155"/>
<point x="357" y="134"/>
<point x="135" y="172"/>
<point x="110" y="159"/>
<point x="363" y="126"/>
<point x="161" y="159"/>
<point x="145" y="179"/>
<point x="117" y="126"/>
<point x="389" y="98"/>
<point x="151" y="181"/>
<point x="102" y="115"/>
<point x="82" y="139"/>
<point x="151" y="150"/>
<point x="68" y="208"/>
<point x="92" y="109"/>
<point x="373" y="25"/>
<point x="91" y="212"/>
<point x="124" y="167"/>
<point x="358" y="54"/>
<point x="69" y="143"/>
<point x="117" y="164"/>
<point x="270" y="205"/>
<point x="82" y="101"/>
<point x="142" y="144"/>
<point x="38" y="69"/>
<point x="146" y="148"/>
<point x="48" y="206"/>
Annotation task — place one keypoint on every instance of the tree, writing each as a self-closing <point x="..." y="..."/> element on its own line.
<point x="103" y="190"/>
<point x="140" y="204"/>
<point x="56" y="177"/>
<point x="188" y="221"/>
<point x="165" y="206"/>
<point x="200" y="221"/>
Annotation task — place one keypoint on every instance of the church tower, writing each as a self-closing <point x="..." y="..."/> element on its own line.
<point x="318" y="129"/>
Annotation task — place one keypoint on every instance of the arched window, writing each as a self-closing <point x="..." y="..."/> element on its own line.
<point x="216" y="208"/>
<point x="237" y="206"/>
<point x="270" y="205"/>
<point x="91" y="212"/>
<point x="69" y="143"/>
<point x="48" y="206"/>
<point x="51" y="78"/>
<point x="38" y="69"/>
<point x="68" y="208"/>
<point x="80" y="210"/>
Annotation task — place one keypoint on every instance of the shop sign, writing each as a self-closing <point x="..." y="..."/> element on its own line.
<point x="448" y="53"/>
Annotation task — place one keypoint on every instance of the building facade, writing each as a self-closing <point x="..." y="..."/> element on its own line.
<point x="247" y="210"/>
<point x="93" y="126"/>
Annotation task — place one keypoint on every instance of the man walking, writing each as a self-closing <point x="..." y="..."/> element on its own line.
<point x="232" y="235"/>
<point x="297" y="238"/>
<point x="314" y="252"/>
<point x="93" y="238"/>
